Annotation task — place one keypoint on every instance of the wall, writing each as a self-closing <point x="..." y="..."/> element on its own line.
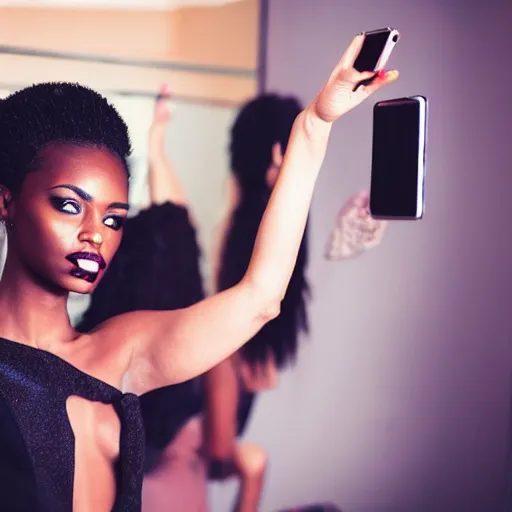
<point x="401" y="399"/>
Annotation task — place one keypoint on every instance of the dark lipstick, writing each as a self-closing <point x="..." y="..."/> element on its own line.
<point x="83" y="273"/>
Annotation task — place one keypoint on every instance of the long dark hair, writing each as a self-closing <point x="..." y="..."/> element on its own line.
<point x="155" y="268"/>
<point x="260" y="124"/>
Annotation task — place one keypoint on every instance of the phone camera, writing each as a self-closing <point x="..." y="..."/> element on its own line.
<point x="395" y="38"/>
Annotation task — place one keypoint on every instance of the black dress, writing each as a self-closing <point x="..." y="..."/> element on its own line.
<point x="36" y="438"/>
<point x="157" y="267"/>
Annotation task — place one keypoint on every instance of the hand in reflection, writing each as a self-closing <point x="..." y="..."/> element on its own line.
<point x="355" y="230"/>
<point x="162" y="112"/>
<point x="161" y="118"/>
<point x="337" y="95"/>
<point x="260" y="376"/>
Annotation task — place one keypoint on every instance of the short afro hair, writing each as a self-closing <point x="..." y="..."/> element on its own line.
<point x="61" y="113"/>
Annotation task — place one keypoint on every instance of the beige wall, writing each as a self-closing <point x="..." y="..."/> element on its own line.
<point x="226" y="36"/>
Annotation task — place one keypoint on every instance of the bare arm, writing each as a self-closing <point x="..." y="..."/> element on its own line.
<point x="178" y="345"/>
<point x="173" y="346"/>
<point x="164" y="184"/>
<point x="222" y="396"/>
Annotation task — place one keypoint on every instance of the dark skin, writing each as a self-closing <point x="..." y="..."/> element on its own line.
<point x="51" y="221"/>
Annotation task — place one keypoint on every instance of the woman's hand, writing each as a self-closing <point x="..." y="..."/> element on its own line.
<point x="258" y="376"/>
<point x="161" y="119"/>
<point x="337" y="96"/>
<point x="164" y="185"/>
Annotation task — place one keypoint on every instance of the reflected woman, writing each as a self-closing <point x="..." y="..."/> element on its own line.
<point x="259" y="136"/>
<point x="150" y="271"/>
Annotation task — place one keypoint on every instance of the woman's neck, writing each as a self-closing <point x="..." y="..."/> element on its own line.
<point x="32" y="314"/>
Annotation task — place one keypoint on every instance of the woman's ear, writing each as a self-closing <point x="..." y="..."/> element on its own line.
<point x="233" y="192"/>
<point x="277" y="155"/>
<point x="275" y="166"/>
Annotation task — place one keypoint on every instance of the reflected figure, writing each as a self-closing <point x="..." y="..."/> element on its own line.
<point x="259" y="137"/>
<point x="151" y="271"/>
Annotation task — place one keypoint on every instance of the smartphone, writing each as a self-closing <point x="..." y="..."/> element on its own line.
<point x="376" y="50"/>
<point x="399" y="158"/>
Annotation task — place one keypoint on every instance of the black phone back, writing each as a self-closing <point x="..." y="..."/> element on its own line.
<point x="398" y="158"/>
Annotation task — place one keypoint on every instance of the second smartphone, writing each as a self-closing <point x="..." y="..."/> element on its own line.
<point x="399" y="158"/>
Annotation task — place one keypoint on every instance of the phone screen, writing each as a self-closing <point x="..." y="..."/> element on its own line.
<point x="398" y="159"/>
<point x="373" y="46"/>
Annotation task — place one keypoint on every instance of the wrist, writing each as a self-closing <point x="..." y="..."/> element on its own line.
<point x="157" y="135"/>
<point x="156" y="153"/>
<point x="314" y="128"/>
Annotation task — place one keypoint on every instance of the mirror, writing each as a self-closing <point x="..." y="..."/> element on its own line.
<point x="208" y="55"/>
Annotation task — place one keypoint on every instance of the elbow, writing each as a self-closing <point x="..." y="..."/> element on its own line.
<point x="270" y="309"/>
<point x="266" y="301"/>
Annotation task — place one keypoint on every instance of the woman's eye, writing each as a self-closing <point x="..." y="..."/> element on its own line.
<point x="66" y="205"/>
<point x="115" y="222"/>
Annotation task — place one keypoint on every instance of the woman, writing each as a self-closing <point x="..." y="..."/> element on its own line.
<point x="260" y="133"/>
<point x="71" y="426"/>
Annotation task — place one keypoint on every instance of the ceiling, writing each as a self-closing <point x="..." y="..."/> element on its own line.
<point x="114" y="4"/>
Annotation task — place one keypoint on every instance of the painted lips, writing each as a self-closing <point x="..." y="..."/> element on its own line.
<point x="87" y="265"/>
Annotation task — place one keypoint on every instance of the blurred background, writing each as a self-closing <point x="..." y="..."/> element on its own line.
<point x="401" y="398"/>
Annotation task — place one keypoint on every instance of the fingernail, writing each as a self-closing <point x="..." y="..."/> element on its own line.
<point x="391" y="74"/>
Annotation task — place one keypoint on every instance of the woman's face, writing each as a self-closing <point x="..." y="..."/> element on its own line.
<point x="68" y="217"/>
